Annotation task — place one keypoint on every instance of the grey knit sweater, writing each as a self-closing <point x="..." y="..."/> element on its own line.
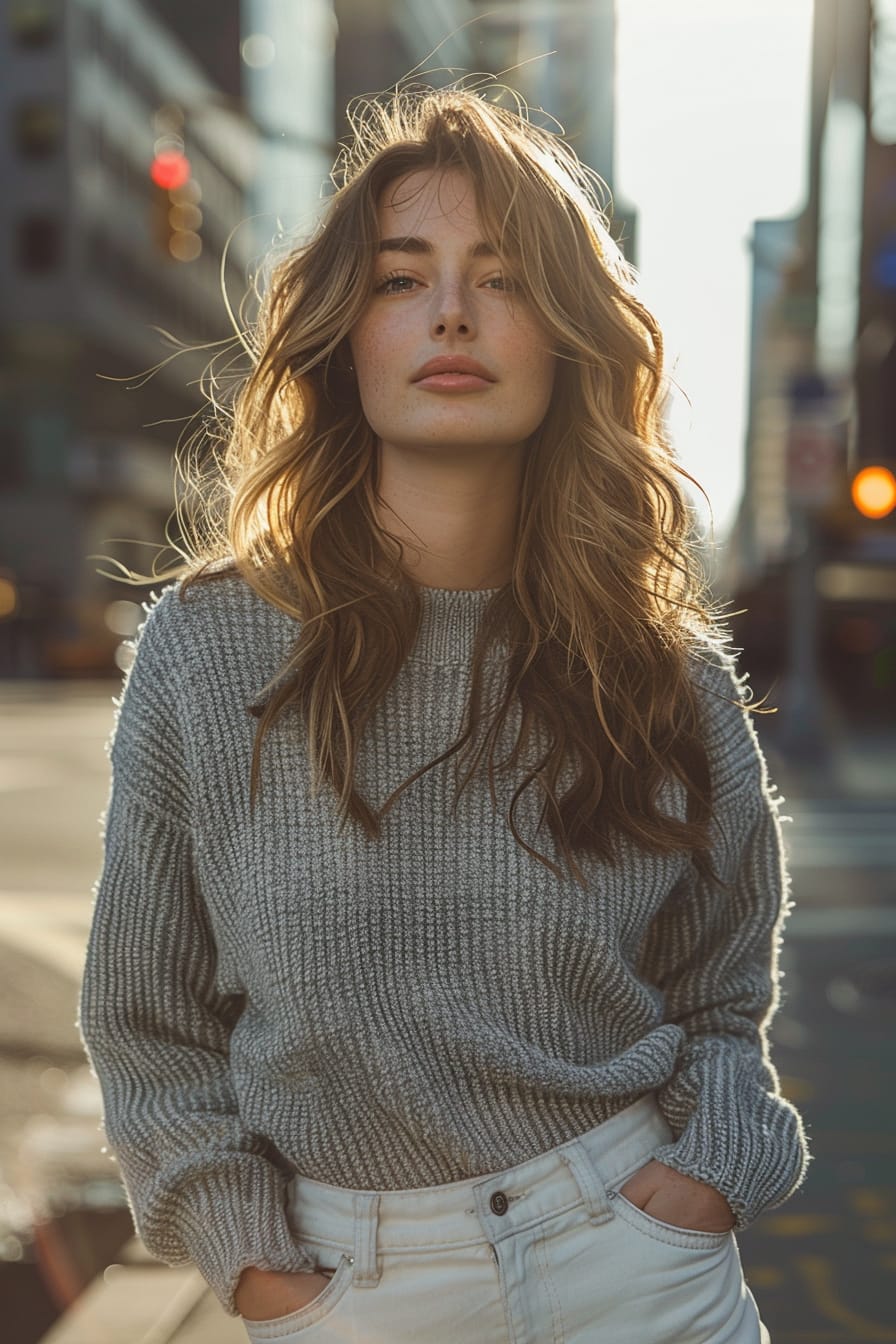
<point x="263" y="994"/>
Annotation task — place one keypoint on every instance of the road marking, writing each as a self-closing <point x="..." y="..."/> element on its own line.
<point x="819" y="1277"/>
<point x="869" y="1200"/>
<point x="797" y="1090"/>
<point x="765" y="1276"/>
<point x="799" y="1224"/>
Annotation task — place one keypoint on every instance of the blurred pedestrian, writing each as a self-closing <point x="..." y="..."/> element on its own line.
<point x="391" y="1060"/>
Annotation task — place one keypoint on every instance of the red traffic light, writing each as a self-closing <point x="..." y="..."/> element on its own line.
<point x="170" y="169"/>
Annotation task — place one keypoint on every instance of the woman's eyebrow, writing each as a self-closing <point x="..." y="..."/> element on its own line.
<point x="422" y="245"/>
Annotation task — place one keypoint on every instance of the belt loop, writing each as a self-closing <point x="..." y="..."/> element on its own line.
<point x="588" y="1179"/>
<point x="367" y="1272"/>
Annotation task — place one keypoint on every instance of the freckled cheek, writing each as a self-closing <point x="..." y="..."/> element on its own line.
<point x="529" y="350"/>
<point x="537" y="376"/>
<point x="378" y="361"/>
<point x="381" y="385"/>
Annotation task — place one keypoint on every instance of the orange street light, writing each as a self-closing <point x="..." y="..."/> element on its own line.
<point x="874" y="491"/>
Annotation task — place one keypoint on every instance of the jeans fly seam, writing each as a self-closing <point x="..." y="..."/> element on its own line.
<point x="550" y="1288"/>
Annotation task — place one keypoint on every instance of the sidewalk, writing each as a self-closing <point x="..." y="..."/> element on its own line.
<point x="152" y="1302"/>
<point x="859" y="770"/>
<point x="854" y="763"/>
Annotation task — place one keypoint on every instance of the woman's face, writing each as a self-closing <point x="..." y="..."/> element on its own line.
<point x="440" y="293"/>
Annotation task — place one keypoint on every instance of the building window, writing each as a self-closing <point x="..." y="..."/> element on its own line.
<point x="39" y="243"/>
<point x="37" y="128"/>
<point x="33" y="23"/>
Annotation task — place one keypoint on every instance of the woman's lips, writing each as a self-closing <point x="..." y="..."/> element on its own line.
<point x="454" y="372"/>
<point x="453" y="382"/>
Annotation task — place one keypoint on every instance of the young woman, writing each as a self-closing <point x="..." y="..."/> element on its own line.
<point x="396" y="1056"/>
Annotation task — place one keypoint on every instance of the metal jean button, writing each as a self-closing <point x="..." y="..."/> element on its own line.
<point x="499" y="1202"/>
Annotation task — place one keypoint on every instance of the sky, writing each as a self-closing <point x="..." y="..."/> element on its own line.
<point x="711" y="133"/>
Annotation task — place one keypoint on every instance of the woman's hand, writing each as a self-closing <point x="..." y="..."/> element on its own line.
<point x="678" y="1199"/>
<point x="263" y="1294"/>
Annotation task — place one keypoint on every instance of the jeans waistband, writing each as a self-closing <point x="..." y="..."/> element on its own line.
<point x="483" y="1208"/>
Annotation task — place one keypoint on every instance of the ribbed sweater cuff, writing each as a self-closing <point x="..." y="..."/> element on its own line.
<point x="746" y="1142"/>
<point x="235" y="1217"/>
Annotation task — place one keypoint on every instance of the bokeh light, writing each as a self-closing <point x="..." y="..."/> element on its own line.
<point x="874" y="491"/>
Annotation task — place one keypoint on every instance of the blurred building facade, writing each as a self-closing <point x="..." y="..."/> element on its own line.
<point x="286" y="50"/>
<point x="559" y="57"/>
<point x="108" y="277"/>
<point x="816" y="575"/>
<point x="89" y="269"/>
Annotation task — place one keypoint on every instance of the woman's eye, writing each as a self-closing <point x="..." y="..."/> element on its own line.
<point x="397" y="283"/>
<point x="389" y="284"/>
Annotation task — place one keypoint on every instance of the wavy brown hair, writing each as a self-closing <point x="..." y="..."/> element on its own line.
<point x="606" y="607"/>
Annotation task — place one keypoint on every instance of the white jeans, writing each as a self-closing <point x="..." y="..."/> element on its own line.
<point x="547" y="1252"/>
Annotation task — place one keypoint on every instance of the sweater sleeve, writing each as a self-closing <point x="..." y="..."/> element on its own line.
<point x="153" y="1025"/>
<point x="713" y="952"/>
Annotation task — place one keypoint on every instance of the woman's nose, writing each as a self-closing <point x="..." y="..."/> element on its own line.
<point x="452" y="311"/>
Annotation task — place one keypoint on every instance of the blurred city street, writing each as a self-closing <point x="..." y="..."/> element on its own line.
<point x="821" y="1266"/>
<point x="161" y="158"/>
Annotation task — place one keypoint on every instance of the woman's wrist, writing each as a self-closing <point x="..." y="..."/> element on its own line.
<point x="254" y="1280"/>
<point x="265" y="1294"/>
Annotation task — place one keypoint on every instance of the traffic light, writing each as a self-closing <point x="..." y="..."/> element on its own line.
<point x="874" y="456"/>
<point x="170" y="169"/>
<point x="874" y="491"/>
<point x="176" y="216"/>
<point x="875" y="384"/>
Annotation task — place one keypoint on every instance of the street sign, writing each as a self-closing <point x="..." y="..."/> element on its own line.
<point x="815" y="442"/>
<point x="813" y="457"/>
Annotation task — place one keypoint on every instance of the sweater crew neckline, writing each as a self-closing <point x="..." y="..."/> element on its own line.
<point x="449" y="621"/>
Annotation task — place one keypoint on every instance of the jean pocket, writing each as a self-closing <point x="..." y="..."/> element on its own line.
<point x="282" y="1328"/>
<point x="688" y="1238"/>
